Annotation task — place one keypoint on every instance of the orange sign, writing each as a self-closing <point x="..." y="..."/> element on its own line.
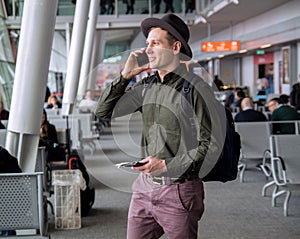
<point x="214" y="46"/>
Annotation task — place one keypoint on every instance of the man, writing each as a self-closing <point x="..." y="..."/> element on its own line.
<point x="218" y="82"/>
<point x="233" y="101"/>
<point x="282" y="112"/>
<point x="239" y="95"/>
<point x="295" y="95"/>
<point x="248" y="114"/>
<point x="4" y="114"/>
<point x="168" y="194"/>
<point x="88" y="104"/>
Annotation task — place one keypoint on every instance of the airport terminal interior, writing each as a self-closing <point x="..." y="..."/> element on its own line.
<point x="56" y="59"/>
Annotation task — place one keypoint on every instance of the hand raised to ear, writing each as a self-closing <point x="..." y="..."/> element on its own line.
<point x="131" y="67"/>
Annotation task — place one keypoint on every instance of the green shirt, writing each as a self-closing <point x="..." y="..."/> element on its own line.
<point x="284" y="113"/>
<point x="163" y="116"/>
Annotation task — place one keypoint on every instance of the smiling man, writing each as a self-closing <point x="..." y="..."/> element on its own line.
<point x="168" y="194"/>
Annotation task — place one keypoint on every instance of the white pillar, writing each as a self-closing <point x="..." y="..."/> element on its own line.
<point x="94" y="63"/>
<point x="75" y="55"/>
<point x="36" y="36"/>
<point x="88" y="47"/>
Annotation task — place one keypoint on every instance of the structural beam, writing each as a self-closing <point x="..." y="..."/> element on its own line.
<point x="31" y="75"/>
<point x="75" y="55"/>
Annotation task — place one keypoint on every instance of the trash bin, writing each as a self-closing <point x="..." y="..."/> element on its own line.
<point x="67" y="185"/>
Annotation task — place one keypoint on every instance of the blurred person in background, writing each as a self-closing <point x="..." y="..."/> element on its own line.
<point x="53" y="103"/>
<point x="248" y="114"/>
<point x="295" y="95"/>
<point x="4" y="114"/>
<point x="281" y="112"/>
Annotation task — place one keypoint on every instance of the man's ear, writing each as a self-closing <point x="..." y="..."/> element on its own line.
<point x="176" y="47"/>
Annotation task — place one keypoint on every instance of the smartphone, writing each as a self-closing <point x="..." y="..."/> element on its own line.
<point x="142" y="59"/>
<point x="131" y="164"/>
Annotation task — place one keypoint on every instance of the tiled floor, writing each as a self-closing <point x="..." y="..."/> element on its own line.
<point x="234" y="210"/>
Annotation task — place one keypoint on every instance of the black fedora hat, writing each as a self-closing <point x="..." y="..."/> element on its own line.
<point x="175" y="26"/>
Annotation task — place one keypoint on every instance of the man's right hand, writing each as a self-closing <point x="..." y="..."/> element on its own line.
<point x="131" y="68"/>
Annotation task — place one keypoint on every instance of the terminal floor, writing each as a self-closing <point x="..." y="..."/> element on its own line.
<point x="233" y="210"/>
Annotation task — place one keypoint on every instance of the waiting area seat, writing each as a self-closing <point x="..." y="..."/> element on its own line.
<point x="285" y="164"/>
<point x="22" y="205"/>
<point x="82" y="129"/>
<point x="254" y="143"/>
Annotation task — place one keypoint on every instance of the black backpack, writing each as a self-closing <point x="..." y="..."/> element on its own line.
<point x="87" y="196"/>
<point x="226" y="168"/>
<point x="8" y="163"/>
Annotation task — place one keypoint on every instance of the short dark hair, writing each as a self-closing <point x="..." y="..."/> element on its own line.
<point x="284" y="98"/>
<point x="275" y="99"/>
<point x="240" y="93"/>
<point x="170" y="38"/>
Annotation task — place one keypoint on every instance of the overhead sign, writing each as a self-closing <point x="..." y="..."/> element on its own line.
<point x="260" y="52"/>
<point x="263" y="59"/>
<point x="215" y="46"/>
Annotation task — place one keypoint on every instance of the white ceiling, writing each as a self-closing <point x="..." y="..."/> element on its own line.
<point x="233" y="14"/>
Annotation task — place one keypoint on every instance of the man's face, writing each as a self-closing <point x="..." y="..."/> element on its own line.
<point x="159" y="50"/>
<point x="272" y="105"/>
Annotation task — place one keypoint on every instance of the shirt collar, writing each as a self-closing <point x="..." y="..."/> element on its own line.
<point x="247" y="108"/>
<point x="179" y="72"/>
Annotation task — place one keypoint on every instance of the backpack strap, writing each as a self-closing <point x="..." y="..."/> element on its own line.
<point x="187" y="92"/>
<point x="187" y="102"/>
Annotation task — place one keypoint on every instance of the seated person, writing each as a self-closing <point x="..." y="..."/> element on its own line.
<point x="48" y="139"/>
<point x="235" y="102"/>
<point x="4" y="114"/>
<point x="53" y="103"/>
<point x="248" y="114"/>
<point x="284" y="99"/>
<point x="88" y="104"/>
<point x="8" y="163"/>
<point x="281" y="112"/>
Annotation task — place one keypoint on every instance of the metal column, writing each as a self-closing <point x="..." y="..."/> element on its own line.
<point x="37" y="30"/>
<point x="88" y="47"/>
<point x="94" y="63"/>
<point x="75" y="55"/>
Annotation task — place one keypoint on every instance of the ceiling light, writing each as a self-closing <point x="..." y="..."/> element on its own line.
<point x="220" y="56"/>
<point x="243" y="51"/>
<point x="14" y="34"/>
<point x="265" y="46"/>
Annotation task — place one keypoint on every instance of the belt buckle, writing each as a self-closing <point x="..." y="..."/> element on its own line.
<point x="163" y="180"/>
<point x="160" y="180"/>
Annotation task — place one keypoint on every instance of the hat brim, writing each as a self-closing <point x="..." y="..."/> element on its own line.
<point x="149" y="23"/>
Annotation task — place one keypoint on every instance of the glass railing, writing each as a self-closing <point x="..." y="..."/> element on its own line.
<point x="116" y="7"/>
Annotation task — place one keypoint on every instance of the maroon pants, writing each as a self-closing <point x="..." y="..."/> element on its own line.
<point x="171" y="209"/>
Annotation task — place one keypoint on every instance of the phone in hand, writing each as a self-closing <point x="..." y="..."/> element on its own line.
<point x="142" y="59"/>
<point x="131" y="164"/>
